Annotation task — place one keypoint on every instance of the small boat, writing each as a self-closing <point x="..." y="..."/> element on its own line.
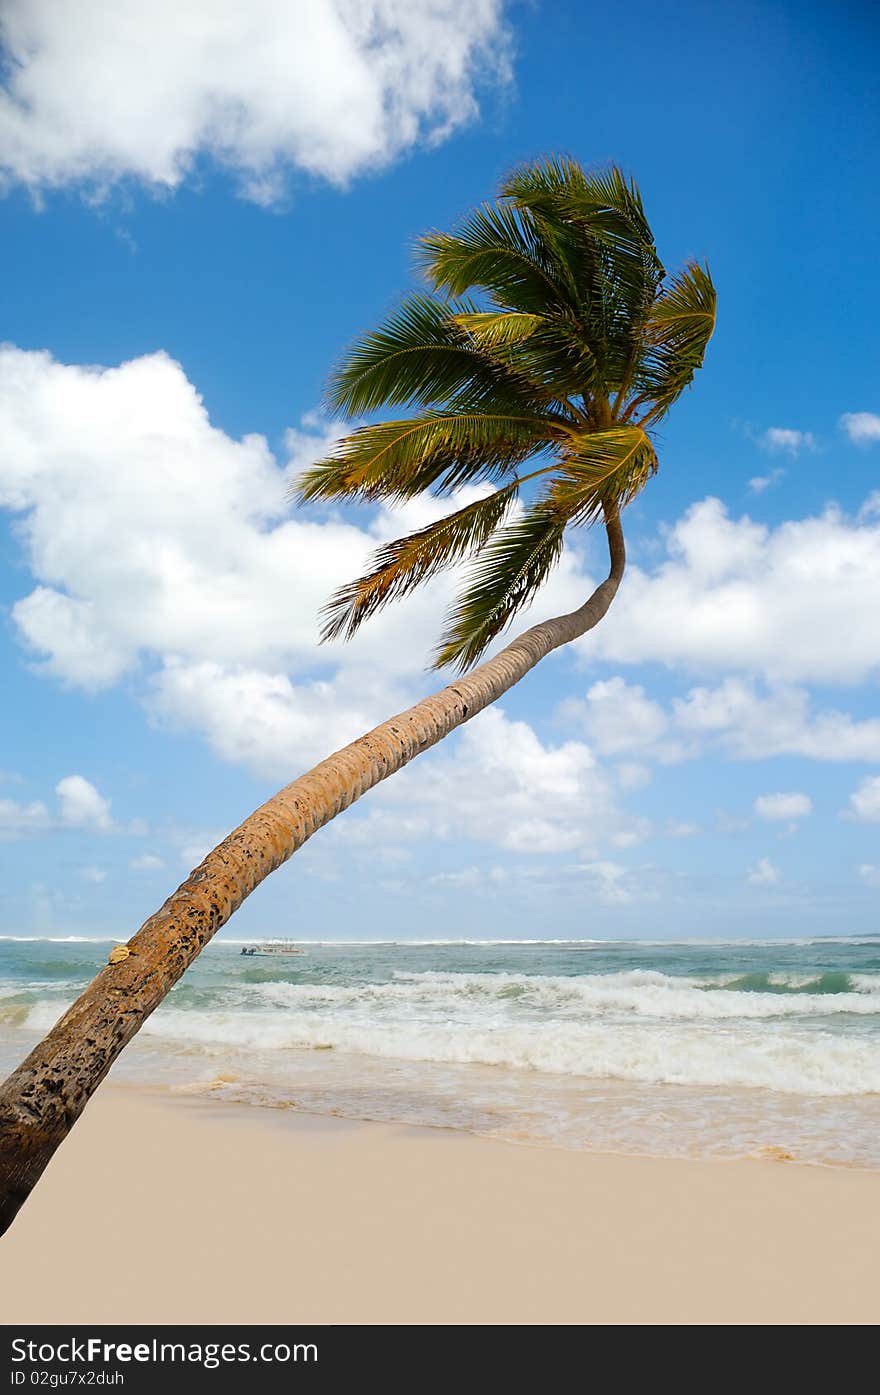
<point x="273" y="947"/>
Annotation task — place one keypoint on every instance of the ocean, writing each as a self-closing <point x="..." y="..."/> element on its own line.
<point x="698" y="1048"/>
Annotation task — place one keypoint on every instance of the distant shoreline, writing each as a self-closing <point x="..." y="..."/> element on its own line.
<point x="707" y="940"/>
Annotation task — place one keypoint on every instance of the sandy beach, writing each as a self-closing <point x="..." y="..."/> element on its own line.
<point x="160" y="1209"/>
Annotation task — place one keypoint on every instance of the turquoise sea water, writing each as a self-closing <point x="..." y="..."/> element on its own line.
<point x="690" y="1048"/>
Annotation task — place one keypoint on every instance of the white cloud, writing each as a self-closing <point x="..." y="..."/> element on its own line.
<point x="18" y="820"/>
<point x="863" y="428"/>
<point x="785" y="439"/>
<point x="205" y="573"/>
<point x="735" y="594"/>
<point x="764" y="873"/>
<point x="501" y="783"/>
<point x="783" y="806"/>
<point x="81" y="806"/>
<point x="864" y="802"/>
<point x="496" y="782"/>
<point x="263" y="719"/>
<point x="752" y="727"/>
<point x="147" y="862"/>
<point x="760" y="483"/>
<point x="618" y="717"/>
<point x="211" y="609"/>
<point x="230" y="578"/>
<point x="97" y="93"/>
<point x="217" y="591"/>
<point x="733" y="716"/>
<point x="95" y="875"/>
<point x="870" y="873"/>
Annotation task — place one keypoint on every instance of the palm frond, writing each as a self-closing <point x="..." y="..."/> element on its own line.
<point x="423" y="355"/>
<point x="606" y="469"/>
<point x="498" y="329"/>
<point x="400" y="566"/>
<point x="605" y="203"/>
<point x="679" y="327"/>
<point x="549" y="351"/>
<point x="399" y="459"/>
<point x="511" y="568"/>
<point x="610" y="243"/>
<point x="499" y="250"/>
<point x="570" y="350"/>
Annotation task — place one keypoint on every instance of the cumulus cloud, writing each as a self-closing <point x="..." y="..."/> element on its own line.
<point x="213" y="573"/>
<point x="96" y="93"/>
<point x="265" y="720"/>
<point x="618" y="717"/>
<point x="230" y="577"/>
<point x="81" y="806"/>
<point x="216" y="594"/>
<point x="733" y="716"/>
<point x="496" y="782"/>
<point x="764" y="873"/>
<point x="211" y="609"/>
<point x="95" y="875"/>
<point x="785" y="439"/>
<point x="864" y="802"/>
<point x="782" y="722"/>
<point x="863" y="428"/>
<point x="783" y="806"/>
<point x="796" y="603"/>
<point x="501" y="784"/>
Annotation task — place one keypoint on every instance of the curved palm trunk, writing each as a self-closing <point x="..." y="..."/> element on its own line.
<point x="41" y="1101"/>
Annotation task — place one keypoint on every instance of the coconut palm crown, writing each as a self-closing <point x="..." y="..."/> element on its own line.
<point x="548" y="346"/>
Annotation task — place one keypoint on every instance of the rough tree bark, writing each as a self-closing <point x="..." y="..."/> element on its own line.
<point x="41" y="1101"/>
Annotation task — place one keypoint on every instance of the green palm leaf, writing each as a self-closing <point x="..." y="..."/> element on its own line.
<point x="400" y="566"/>
<point x="572" y="346"/>
<point x="423" y="354"/>
<point x="549" y="351"/>
<point x="679" y="327"/>
<point x="499" y="250"/>
<point x="603" y="207"/>
<point x="511" y="568"/>
<point x="399" y="459"/>
<point x="608" y="240"/>
<point x="606" y="470"/>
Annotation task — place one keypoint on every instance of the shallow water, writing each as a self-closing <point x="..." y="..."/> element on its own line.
<point x="692" y="1048"/>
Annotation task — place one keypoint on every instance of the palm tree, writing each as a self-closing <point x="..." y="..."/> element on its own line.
<point x="548" y="347"/>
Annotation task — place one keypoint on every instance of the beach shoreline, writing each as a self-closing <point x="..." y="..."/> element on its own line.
<point x="677" y="1050"/>
<point x="162" y="1208"/>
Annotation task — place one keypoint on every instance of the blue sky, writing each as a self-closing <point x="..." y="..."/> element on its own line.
<point x="221" y="220"/>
